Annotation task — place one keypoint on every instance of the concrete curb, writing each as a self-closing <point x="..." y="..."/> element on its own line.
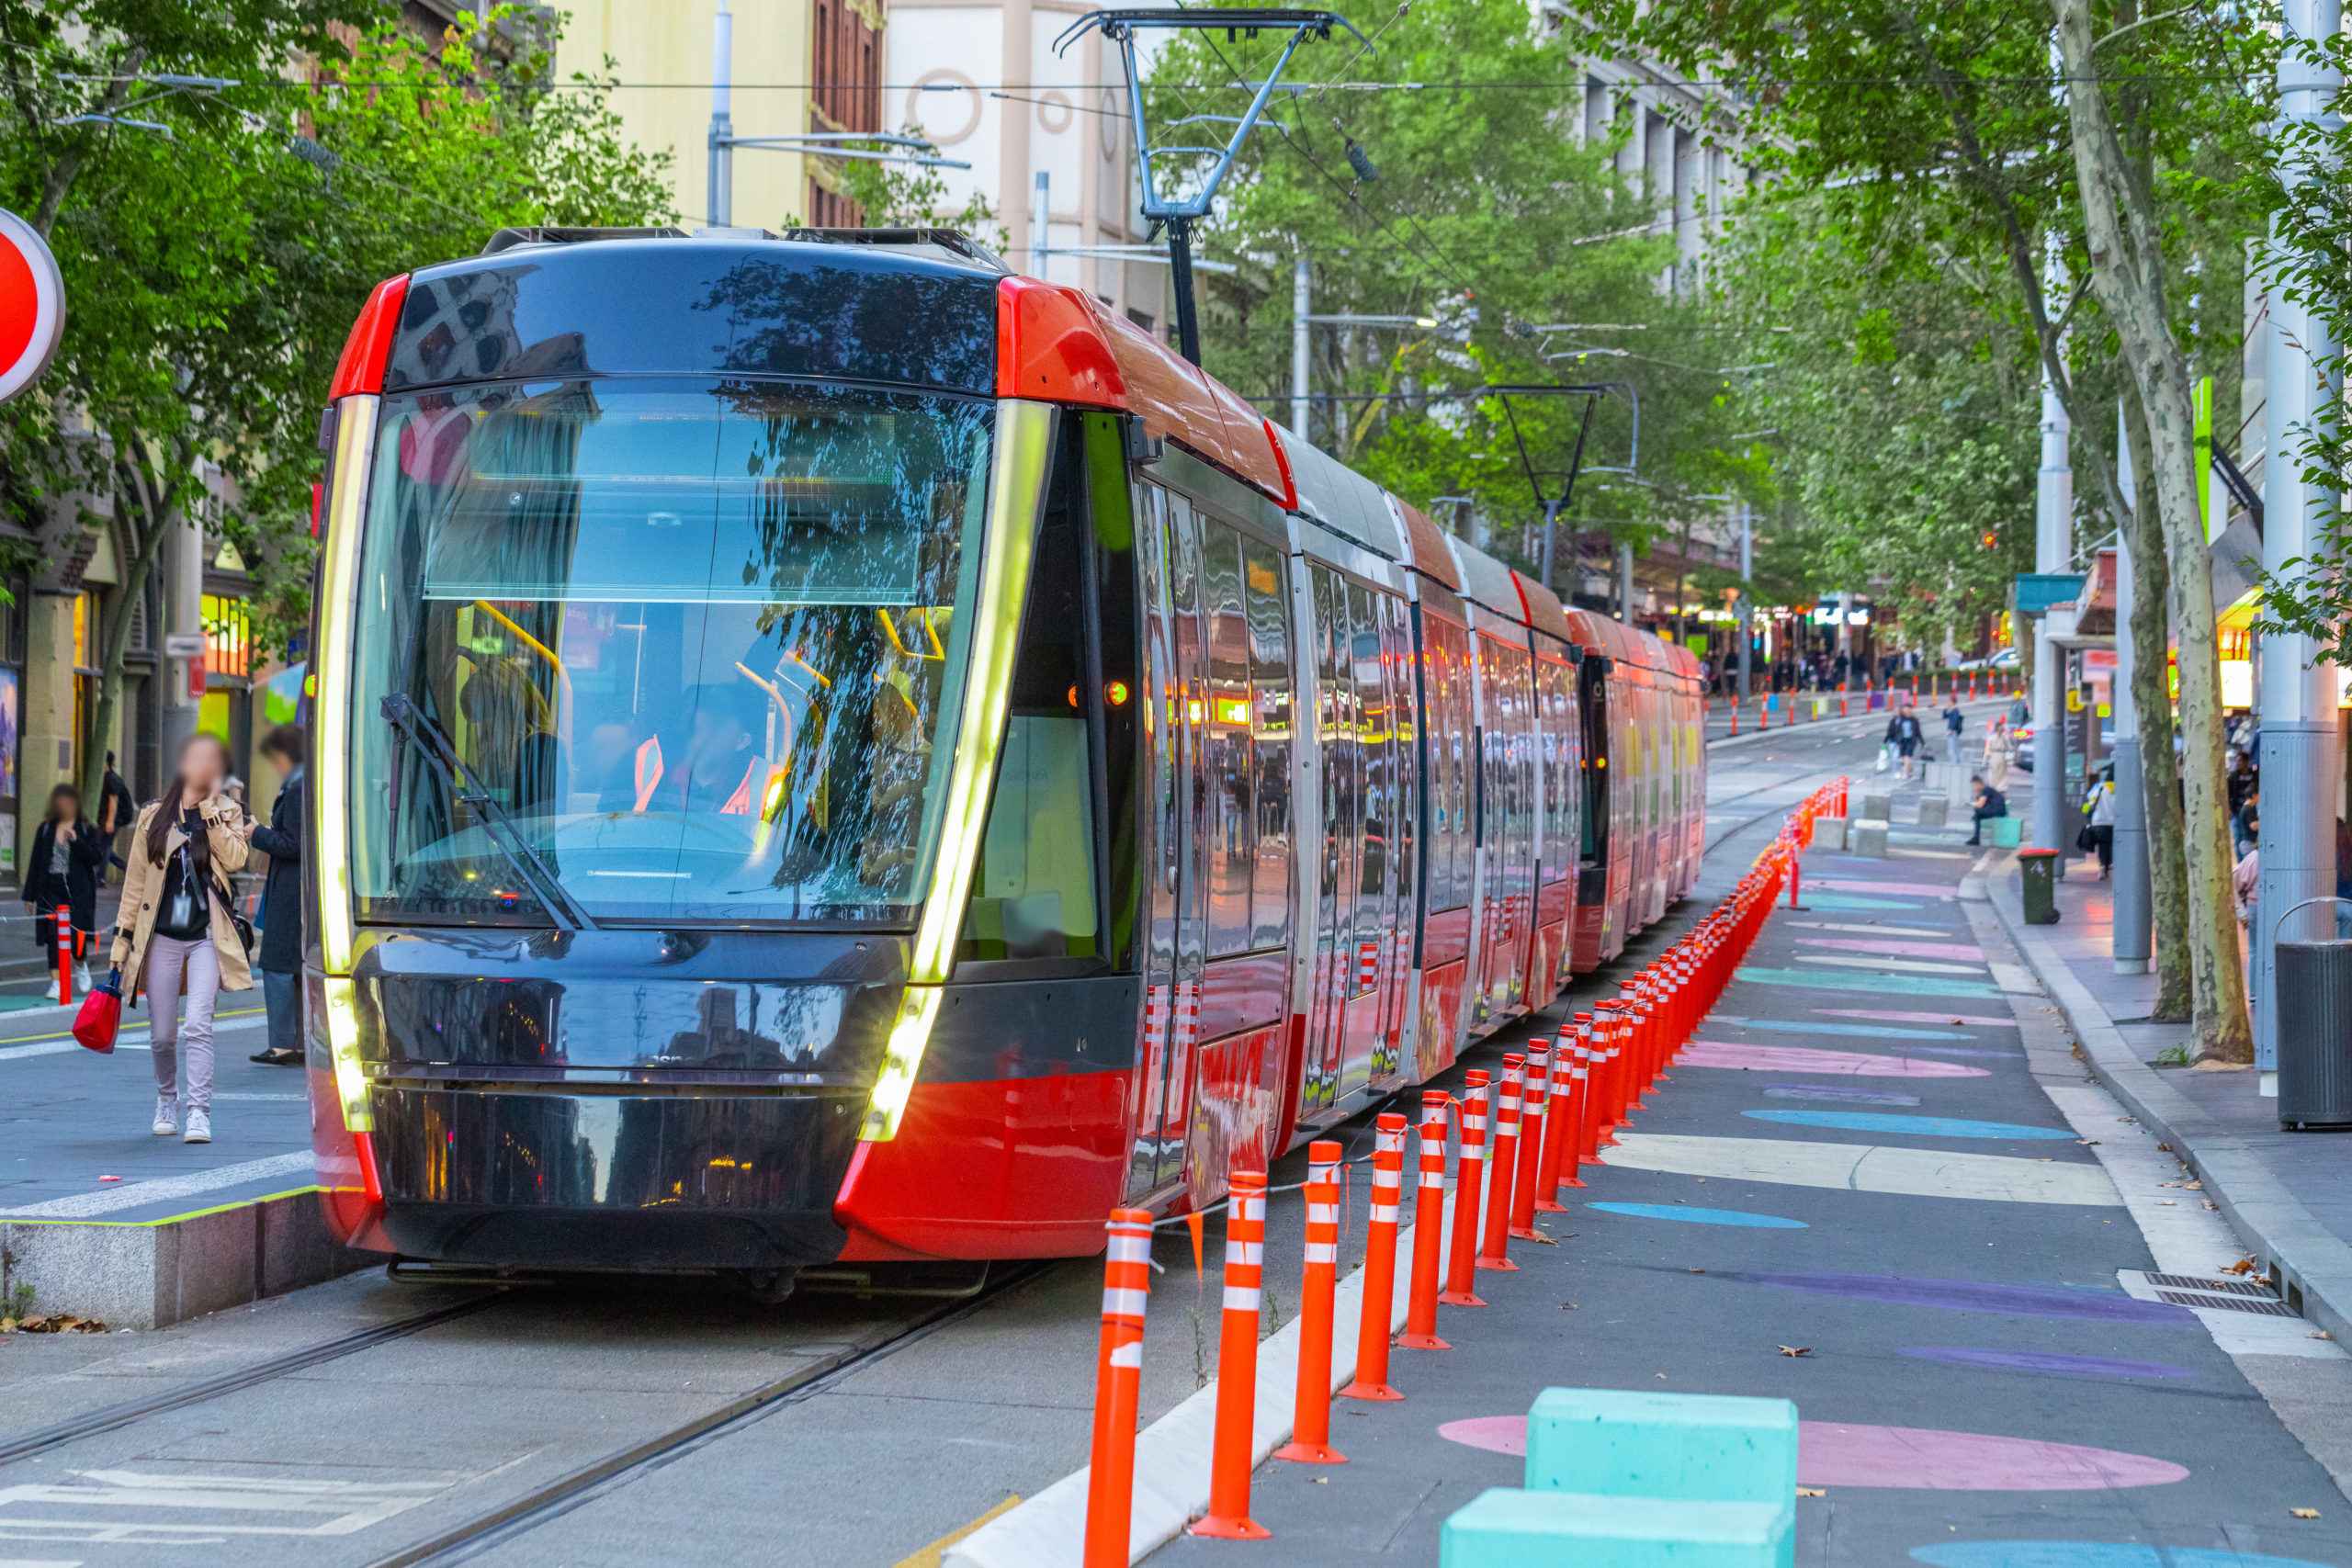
<point x="1049" y="1531"/>
<point x="2312" y="1266"/>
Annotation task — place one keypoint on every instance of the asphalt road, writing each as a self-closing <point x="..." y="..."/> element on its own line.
<point x="869" y="1440"/>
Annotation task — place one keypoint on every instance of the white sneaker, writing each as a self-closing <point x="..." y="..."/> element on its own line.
<point x="167" y="1116"/>
<point x="199" y="1128"/>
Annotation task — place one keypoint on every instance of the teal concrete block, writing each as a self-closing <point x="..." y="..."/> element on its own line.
<point x="1505" y="1527"/>
<point x="1622" y="1444"/>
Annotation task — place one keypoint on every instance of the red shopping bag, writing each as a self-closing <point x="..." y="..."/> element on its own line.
<point x="101" y="1015"/>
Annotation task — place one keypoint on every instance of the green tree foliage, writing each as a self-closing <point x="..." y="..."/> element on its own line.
<point x="1443" y="176"/>
<point x="218" y="238"/>
<point x="1904" y="411"/>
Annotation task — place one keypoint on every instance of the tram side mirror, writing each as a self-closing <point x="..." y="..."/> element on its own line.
<point x="1142" y="447"/>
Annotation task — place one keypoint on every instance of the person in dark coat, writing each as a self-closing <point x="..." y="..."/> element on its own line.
<point x="281" y="902"/>
<point x="118" y="808"/>
<point x="68" y="858"/>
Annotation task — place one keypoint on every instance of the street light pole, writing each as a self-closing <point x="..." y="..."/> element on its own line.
<point x="719" y="199"/>
<point x="2054" y="510"/>
<point x="1747" y="597"/>
<point x="1300" y="345"/>
<point x="2300" y="760"/>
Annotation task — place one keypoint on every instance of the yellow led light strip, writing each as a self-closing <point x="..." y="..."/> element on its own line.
<point x="355" y="443"/>
<point x="1024" y="446"/>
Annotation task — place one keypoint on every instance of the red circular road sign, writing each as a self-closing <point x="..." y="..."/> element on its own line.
<point x="32" y="305"/>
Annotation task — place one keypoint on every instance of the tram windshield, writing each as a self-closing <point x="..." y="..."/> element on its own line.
<point x="699" y="641"/>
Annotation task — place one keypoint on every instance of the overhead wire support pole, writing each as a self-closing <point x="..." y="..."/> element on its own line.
<point x="1174" y="215"/>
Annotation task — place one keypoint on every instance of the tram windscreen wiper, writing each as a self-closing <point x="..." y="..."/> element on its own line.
<point x="402" y="715"/>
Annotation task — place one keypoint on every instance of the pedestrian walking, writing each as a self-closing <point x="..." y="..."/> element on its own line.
<point x="282" y="901"/>
<point x="1996" y="754"/>
<point x="1903" y="733"/>
<point x="2099" y="826"/>
<point x="176" y="936"/>
<point x="68" y="858"/>
<point x="117" y="806"/>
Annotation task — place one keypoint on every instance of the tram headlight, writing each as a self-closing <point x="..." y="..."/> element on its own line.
<point x="917" y="1009"/>
<point x="343" y="1040"/>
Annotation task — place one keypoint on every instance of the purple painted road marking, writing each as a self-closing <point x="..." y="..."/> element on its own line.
<point x="1967" y="952"/>
<point x="1858" y="885"/>
<point x="1806" y="1059"/>
<point x="2049" y="1361"/>
<point x="1976" y="1295"/>
<point x="1978" y="1019"/>
<point x="1832" y="1453"/>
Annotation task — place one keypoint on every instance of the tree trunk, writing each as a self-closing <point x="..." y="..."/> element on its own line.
<point x="132" y="486"/>
<point x="2152" y="700"/>
<point x="2125" y="263"/>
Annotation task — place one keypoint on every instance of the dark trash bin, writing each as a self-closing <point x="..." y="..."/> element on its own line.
<point x="2041" y="871"/>
<point x="2314" y="1002"/>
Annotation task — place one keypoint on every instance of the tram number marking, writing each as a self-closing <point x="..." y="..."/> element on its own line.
<point x="300" y="1508"/>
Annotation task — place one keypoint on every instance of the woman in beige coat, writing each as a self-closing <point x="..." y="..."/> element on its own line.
<point x="175" y="937"/>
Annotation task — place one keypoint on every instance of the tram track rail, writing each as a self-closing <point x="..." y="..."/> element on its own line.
<point x="543" y="1505"/>
<point x="113" y="1417"/>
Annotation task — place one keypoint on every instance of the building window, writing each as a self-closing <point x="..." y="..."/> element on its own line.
<point x="228" y="636"/>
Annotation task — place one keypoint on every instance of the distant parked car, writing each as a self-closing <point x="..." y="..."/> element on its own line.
<point x="2004" y="660"/>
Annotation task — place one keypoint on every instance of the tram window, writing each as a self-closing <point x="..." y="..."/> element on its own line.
<point x="703" y="642"/>
<point x="1374" y="735"/>
<point x="1228" y="775"/>
<point x="1396" y="662"/>
<point x="1033" y="895"/>
<point x="1446" y="684"/>
<point x="1266" y="595"/>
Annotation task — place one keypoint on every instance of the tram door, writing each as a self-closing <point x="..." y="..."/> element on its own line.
<point x="1354" y="1015"/>
<point x="1169" y="559"/>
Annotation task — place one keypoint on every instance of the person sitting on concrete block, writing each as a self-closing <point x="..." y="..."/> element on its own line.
<point x="1985" y="804"/>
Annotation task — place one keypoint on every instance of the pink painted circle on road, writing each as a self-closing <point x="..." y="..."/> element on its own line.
<point x="1831" y="1453"/>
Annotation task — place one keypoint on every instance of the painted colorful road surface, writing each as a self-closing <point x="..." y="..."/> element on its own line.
<point x="1941" y="1260"/>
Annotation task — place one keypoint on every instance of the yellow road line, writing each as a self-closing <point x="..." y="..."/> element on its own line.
<point x="929" y="1555"/>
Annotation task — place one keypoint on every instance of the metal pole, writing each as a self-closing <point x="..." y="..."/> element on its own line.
<point x="1300" y="345"/>
<point x="2134" y="895"/>
<point x="2299" y="755"/>
<point x="1041" y="223"/>
<point x="2053" y="508"/>
<point x="1550" y="533"/>
<point x="1746" y="598"/>
<point x="1625" y="583"/>
<point x="719" y="199"/>
<point x="1180" y="278"/>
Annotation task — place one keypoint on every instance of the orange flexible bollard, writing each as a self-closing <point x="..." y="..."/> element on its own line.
<point x="1469" y="1182"/>
<point x="1735" y="715"/>
<point x="1610" y="1035"/>
<point x="1118" y="1388"/>
<point x="1237" y="1364"/>
<point x="1580" y="1121"/>
<point x="1428" y="1228"/>
<point x="1311" y="1421"/>
<point x="1559" y="1120"/>
<point x="1842" y="699"/>
<point x="1502" y="1168"/>
<point x="64" y="922"/>
<point x="1380" y="1262"/>
<point x="1535" y="1115"/>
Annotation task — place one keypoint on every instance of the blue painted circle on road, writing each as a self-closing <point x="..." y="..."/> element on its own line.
<point x="1839" y="1091"/>
<point x="1918" y="1127"/>
<point x="2050" y="1362"/>
<point x="1701" y="1216"/>
<point x="2090" y="1554"/>
<point x="1849" y="901"/>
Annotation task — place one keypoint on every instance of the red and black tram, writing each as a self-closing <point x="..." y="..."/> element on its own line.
<point x="830" y="752"/>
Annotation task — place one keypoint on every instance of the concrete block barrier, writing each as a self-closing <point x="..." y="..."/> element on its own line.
<point x="1830" y="833"/>
<point x="1504" y="1528"/>
<point x="1636" y="1444"/>
<point x="1879" y="807"/>
<point x="1868" y="838"/>
<point x="1933" y="810"/>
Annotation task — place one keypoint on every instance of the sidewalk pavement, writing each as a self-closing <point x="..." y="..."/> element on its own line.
<point x="2284" y="1192"/>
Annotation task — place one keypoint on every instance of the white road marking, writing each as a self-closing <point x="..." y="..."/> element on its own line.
<point x="1904" y="966"/>
<point x="88" y="1205"/>
<point x="318" y="1507"/>
<point x="1864" y="1167"/>
<point x="128" y="1039"/>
